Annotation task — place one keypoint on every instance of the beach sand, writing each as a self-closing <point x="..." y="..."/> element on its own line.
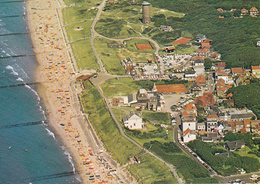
<point x="56" y="74"/>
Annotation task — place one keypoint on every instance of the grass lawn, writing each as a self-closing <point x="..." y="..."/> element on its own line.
<point x="244" y="152"/>
<point x="105" y="126"/>
<point x="79" y="30"/>
<point x="151" y="170"/>
<point x="119" y="87"/>
<point x="109" y="56"/>
<point x="84" y="55"/>
<point x="159" y="117"/>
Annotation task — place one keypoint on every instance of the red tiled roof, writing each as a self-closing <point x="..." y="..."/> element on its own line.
<point x="220" y="10"/>
<point x="244" y="11"/>
<point x="206" y="100"/>
<point x="200" y="79"/>
<point x="237" y="70"/>
<point x="222" y="89"/>
<point x="207" y="40"/>
<point x="186" y="132"/>
<point x="229" y="95"/>
<point x="205" y="44"/>
<point x="185" y="113"/>
<point x="221" y="64"/>
<point x="181" y="41"/>
<point x="220" y="83"/>
<point x="255" y="67"/>
<point x="199" y="58"/>
<point x="143" y="46"/>
<point x="174" y="88"/>
<point x="189" y="107"/>
<point x="169" y="48"/>
<point x="246" y="122"/>
<point x="212" y="116"/>
<point x="84" y="77"/>
<point x="254" y="9"/>
<point x="243" y="130"/>
<point x="204" y="50"/>
<point x="221" y="80"/>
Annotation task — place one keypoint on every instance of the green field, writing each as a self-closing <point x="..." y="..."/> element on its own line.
<point x="158" y="117"/>
<point x="84" y="55"/>
<point x="77" y="19"/>
<point x="151" y="170"/>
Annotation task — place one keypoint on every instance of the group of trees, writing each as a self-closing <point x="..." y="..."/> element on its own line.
<point x="235" y="39"/>
<point x="171" y="153"/>
<point x="226" y="164"/>
<point x="247" y="96"/>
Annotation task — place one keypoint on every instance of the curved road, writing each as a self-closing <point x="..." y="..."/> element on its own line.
<point x="95" y="34"/>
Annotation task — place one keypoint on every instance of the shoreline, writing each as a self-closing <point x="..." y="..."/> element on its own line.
<point x="41" y="90"/>
<point x="56" y="75"/>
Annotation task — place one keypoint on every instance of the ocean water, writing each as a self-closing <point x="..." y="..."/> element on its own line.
<point x="29" y="151"/>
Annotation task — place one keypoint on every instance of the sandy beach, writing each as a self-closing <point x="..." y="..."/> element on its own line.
<point x="56" y="74"/>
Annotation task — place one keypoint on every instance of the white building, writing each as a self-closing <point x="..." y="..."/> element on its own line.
<point x="133" y="121"/>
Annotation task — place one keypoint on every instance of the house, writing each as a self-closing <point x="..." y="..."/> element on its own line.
<point x="254" y="12"/>
<point x="221" y="91"/>
<point x="238" y="80"/>
<point x="201" y="80"/>
<point x="206" y="100"/>
<point x="205" y="44"/>
<point x="256" y="71"/>
<point x="204" y="52"/>
<point x="200" y="38"/>
<point x="169" y="49"/>
<point x="212" y="123"/>
<point x="146" y="99"/>
<point x="190" y="74"/>
<point x="258" y="43"/>
<point x="220" y="10"/>
<point x="233" y="145"/>
<point x="190" y="108"/>
<point x="166" y="28"/>
<point x="207" y="41"/>
<point x="133" y="121"/>
<point x="235" y="126"/>
<point x="201" y="126"/>
<point x="211" y="137"/>
<point x="255" y="126"/>
<point x="237" y="71"/>
<point x="221" y="65"/>
<point x="195" y="88"/>
<point x="188" y="135"/>
<point x="244" y="11"/>
<point x="247" y="124"/>
<point x="199" y="67"/>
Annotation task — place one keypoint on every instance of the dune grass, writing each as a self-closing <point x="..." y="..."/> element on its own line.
<point x="105" y="126"/>
<point x="151" y="170"/>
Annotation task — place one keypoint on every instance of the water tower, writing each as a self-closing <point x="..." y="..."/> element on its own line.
<point x="146" y="12"/>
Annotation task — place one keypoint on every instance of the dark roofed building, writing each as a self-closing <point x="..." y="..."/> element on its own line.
<point x="233" y="145"/>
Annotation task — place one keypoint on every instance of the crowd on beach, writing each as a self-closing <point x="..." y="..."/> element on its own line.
<point x="56" y="74"/>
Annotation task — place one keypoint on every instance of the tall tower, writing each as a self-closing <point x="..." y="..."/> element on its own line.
<point x="146" y="12"/>
<point x="133" y="1"/>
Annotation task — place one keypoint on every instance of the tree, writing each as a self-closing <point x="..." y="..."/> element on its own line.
<point x="208" y="63"/>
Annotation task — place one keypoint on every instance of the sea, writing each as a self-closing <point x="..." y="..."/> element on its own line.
<point x="29" y="150"/>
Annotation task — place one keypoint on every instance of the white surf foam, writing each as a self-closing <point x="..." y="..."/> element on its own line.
<point x="12" y="69"/>
<point x="22" y="70"/>
<point x="51" y="133"/>
<point x="69" y="158"/>
<point x="19" y="79"/>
